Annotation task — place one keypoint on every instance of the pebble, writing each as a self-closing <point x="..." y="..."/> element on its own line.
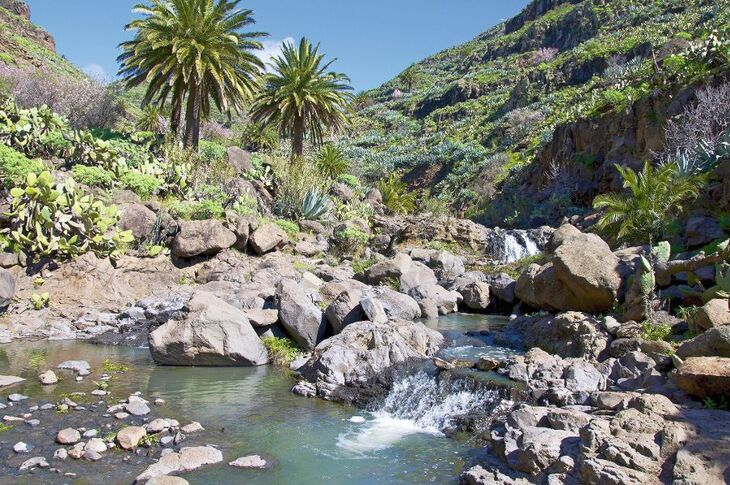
<point x="159" y="402"/>
<point x="33" y="422"/>
<point x="76" y="453"/>
<point x="48" y="378"/>
<point x="157" y="426"/>
<point x="92" y="455"/>
<point x="129" y="437"/>
<point x="99" y="392"/>
<point x="47" y="406"/>
<point x="60" y="454"/>
<point x="121" y="415"/>
<point x="21" y="447"/>
<point x="68" y="436"/>
<point x="2" y="406"/>
<point x="79" y="378"/>
<point x="33" y="409"/>
<point x="17" y="397"/>
<point x="137" y="408"/>
<point x="12" y="419"/>
<point x="91" y="433"/>
<point x="96" y="445"/>
<point x="35" y="462"/>
<point x="167" y="440"/>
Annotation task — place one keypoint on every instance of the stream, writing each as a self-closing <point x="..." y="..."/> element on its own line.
<point x="252" y="411"/>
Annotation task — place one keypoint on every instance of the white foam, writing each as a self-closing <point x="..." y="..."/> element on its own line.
<point x="380" y="433"/>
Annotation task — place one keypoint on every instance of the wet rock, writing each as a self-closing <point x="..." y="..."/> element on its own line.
<point x="267" y="238"/>
<point x="167" y="480"/>
<point x="487" y="364"/>
<point x="187" y="459"/>
<point x="202" y="237"/>
<point x="60" y="454"/>
<point x="211" y="332"/>
<point x="137" y="408"/>
<point x="704" y="376"/>
<point x="15" y="397"/>
<point x="362" y="351"/>
<point x="128" y="438"/>
<point x="80" y="367"/>
<point x="191" y="428"/>
<point x="476" y="295"/>
<point x="95" y="445"/>
<point x="48" y="378"/>
<point x="35" y="462"/>
<point x="7" y="381"/>
<point x="68" y="436"/>
<point x="252" y="462"/>
<point x="157" y="426"/>
<point x="302" y="320"/>
<point x="21" y="447"/>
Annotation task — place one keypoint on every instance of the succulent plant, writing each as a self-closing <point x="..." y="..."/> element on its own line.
<point x="57" y="221"/>
<point x="646" y="277"/>
<point x="722" y="284"/>
<point x="315" y="205"/>
<point x="661" y="252"/>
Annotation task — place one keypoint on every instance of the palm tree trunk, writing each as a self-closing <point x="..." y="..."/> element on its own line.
<point x="175" y="117"/>
<point x="298" y="138"/>
<point x="192" y="118"/>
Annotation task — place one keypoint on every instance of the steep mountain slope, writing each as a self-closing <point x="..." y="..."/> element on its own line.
<point x="523" y="124"/>
<point x="24" y="44"/>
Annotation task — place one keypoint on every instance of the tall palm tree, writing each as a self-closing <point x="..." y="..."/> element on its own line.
<point x="301" y="97"/>
<point x="192" y="51"/>
<point x="408" y="78"/>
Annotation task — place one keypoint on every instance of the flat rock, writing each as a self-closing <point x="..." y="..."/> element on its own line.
<point x="704" y="376"/>
<point x="186" y="459"/>
<point x="255" y="462"/>
<point x="35" y="462"/>
<point x="6" y="381"/>
<point x="136" y="408"/>
<point x="129" y="437"/>
<point x="80" y="367"/>
<point x="68" y="436"/>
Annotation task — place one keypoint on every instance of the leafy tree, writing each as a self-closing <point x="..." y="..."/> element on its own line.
<point x="191" y="52"/>
<point x="302" y="97"/>
<point x="654" y="197"/>
<point x="409" y="77"/>
<point x="331" y="162"/>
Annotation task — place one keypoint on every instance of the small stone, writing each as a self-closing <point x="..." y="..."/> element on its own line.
<point x="129" y="437"/>
<point x="137" y="408"/>
<point x="95" y="444"/>
<point x="22" y="447"/>
<point x="47" y="406"/>
<point x="487" y="364"/>
<point x="91" y="433"/>
<point x="76" y="453"/>
<point x="121" y="415"/>
<point x="159" y="402"/>
<point x="48" y="378"/>
<point x="35" y="462"/>
<point x="60" y="454"/>
<point x="92" y="455"/>
<point x="193" y="427"/>
<point x="17" y="397"/>
<point x="33" y="422"/>
<point x="79" y="378"/>
<point x="157" y="426"/>
<point x="99" y="392"/>
<point x="68" y="436"/>
<point x="68" y="402"/>
<point x="80" y="367"/>
<point x="167" y="440"/>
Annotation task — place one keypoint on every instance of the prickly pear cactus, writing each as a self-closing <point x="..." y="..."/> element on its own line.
<point x="646" y="278"/>
<point x="722" y="284"/>
<point x="661" y="252"/>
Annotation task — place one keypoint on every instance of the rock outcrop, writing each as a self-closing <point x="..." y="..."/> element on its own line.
<point x="202" y="237"/>
<point x="7" y="288"/>
<point x="209" y="333"/>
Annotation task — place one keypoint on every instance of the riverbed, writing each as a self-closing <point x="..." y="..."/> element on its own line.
<point x="245" y="411"/>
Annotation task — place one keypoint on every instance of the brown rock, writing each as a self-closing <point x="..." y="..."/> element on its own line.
<point x="704" y="376"/>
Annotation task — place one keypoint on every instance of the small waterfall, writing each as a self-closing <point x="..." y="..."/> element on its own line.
<point x="418" y="403"/>
<point x="511" y="246"/>
<point x="434" y="404"/>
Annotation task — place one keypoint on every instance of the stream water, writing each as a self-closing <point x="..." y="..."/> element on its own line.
<point x="252" y="411"/>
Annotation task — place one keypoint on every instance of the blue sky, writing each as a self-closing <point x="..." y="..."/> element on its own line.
<point x="373" y="40"/>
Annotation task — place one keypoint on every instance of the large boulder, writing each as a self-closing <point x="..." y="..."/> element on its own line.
<point x="345" y="309"/>
<point x="7" y="288"/>
<point x="414" y="275"/>
<point x="138" y="219"/>
<point x="476" y="295"/>
<point x="713" y="343"/>
<point x="569" y="335"/>
<point x="446" y="301"/>
<point x="588" y="268"/>
<point x="212" y="333"/>
<point x="386" y="271"/>
<point x="363" y="351"/>
<point x="202" y="237"/>
<point x="267" y="238"/>
<point x="396" y="305"/>
<point x="704" y="376"/>
<point x="239" y="159"/>
<point x="714" y="313"/>
<point x="187" y="459"/>
<point x="300" y="317"/>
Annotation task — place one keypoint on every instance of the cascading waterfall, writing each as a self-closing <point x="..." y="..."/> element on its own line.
<point x="511" y="246"/>
<point x="418" y="403"/>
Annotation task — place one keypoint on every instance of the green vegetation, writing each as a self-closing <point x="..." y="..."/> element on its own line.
<point x="291" y="228"/>
<point x="396" y="196"/>
<point x="350" y="241"/>
<point x="655" y="196"/>
<point x="301" y="97"/>
<point x="332" y="162"/>
<point x="93" y="176"/>
<point x="5" y="427"/>
<point x="110" y="367"/>
<point x="192" y="52"/>
<point x="656" y="332"/>
<point x="282" y="351"/>
<point x="40" y="301"/>
<point x="15" y="167"/>
<point x="141" y="184"/>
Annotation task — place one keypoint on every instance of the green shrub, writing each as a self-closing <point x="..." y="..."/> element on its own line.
<point x="15" y="167"/>
<point x="211" y="151"/>
<point x="57" y="221"/>
<point x="361" y="265"/>
<point x="290" y="228"/>
<point x="331" y="162"/>
<point x="349" y="180"/>
<point x="350" y="240"/>
<point x="245" y="206"/>
<point x="396" y="196"/>
<point x="255" y="138"/>
<point x="197" y="210"/>
<point x="282" y="351"/>
<point x="93" y="176"/>
<point x="652" y="331"/>
<point x="141" y="184"/>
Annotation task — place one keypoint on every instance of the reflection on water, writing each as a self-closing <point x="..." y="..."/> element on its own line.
<point x="246" y="411"/>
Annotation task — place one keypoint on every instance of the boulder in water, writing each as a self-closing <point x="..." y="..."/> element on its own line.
<point x="187" y="459"/>
<point x="211" y="333"/>
<point x="300" y="317"/>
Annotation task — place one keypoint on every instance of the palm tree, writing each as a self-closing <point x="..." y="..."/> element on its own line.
<point x="332" y="162"/>
<point x="654" y="197"/>
<point x="192" y="51"/>
<point x="408" y="78"/>
<point x="301" y="97"/>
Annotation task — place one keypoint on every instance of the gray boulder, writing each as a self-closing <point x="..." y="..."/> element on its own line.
<point x="239" y="159"/>
<point x="446" y="301"/>
<point x="345" y="309"/>
<point x="414" y="275"/>
<point x="300" y="317"/>
<point x="7" y="288"/>
<point x="396" y="305"/>
<point x="385" y="271"/>
<point x="714" y="313"/>
<point x="570" y="334"/>
<point x="211" y="333"/>
<point x="267" y="238"/>
<point x="197" y="238"/>
<point x="714" y="342"/>
<point x="476" y="295"/>
<point x="363" y="351"/>
<point x="138" y="219"/>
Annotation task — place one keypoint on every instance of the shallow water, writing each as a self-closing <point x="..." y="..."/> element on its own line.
<point x="252" y="411"/>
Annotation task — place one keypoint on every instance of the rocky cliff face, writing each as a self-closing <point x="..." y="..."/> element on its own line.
<point x="21" y="9"/>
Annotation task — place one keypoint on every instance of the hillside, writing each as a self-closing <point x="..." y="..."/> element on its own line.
<point x="24" y="44"/>
<point x="523" y="124"/>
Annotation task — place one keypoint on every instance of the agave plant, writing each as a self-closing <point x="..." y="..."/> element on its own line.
<point x="315" y="205"/>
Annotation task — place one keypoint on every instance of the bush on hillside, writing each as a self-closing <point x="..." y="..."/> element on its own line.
<point x="93" y="176"/>
<point x="15" y="167"/>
